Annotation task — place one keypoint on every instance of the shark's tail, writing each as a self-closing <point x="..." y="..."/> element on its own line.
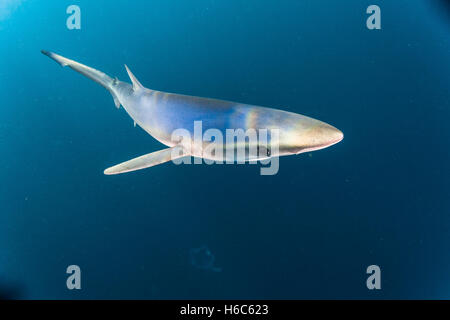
<point x="98" y="76"/>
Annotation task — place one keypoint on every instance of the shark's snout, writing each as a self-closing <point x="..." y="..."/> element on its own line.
<point x="319" y="136"/>
<point x="324" y="135"/>
<point x="333" y="135"/>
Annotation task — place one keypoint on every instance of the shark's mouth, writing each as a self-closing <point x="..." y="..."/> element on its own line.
<point x="319" y="146"/>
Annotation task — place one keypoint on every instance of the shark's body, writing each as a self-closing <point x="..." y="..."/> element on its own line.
<point x="160" y="114"/>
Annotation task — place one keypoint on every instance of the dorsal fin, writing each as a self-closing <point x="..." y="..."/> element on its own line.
<point x="136" y="84"/>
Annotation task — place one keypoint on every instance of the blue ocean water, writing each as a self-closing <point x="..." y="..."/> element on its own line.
<point x="381" y="196"/>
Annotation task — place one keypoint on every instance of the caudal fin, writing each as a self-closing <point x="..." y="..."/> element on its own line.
<point x="98" y="76"/>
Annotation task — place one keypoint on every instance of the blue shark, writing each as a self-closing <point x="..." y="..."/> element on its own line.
<point x="160" y="114"/>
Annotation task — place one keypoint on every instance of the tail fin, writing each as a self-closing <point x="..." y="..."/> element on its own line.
<point x="89" y="72"/>
<point x="98" y="76"/>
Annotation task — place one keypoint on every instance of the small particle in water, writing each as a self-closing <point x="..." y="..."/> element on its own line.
<point x="202" y="258"/>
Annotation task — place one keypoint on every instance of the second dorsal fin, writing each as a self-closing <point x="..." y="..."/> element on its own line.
<point x="136" y="84"/>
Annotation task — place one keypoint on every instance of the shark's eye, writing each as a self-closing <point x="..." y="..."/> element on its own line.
<point x="268" y="152"/>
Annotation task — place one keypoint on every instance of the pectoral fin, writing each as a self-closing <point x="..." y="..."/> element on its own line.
<point x="147" y="160"/>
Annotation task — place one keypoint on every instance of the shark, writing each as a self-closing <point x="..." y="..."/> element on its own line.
<point x="161" y="114"/>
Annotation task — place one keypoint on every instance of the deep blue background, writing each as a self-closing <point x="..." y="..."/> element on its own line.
<point x="381" y="196"/>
